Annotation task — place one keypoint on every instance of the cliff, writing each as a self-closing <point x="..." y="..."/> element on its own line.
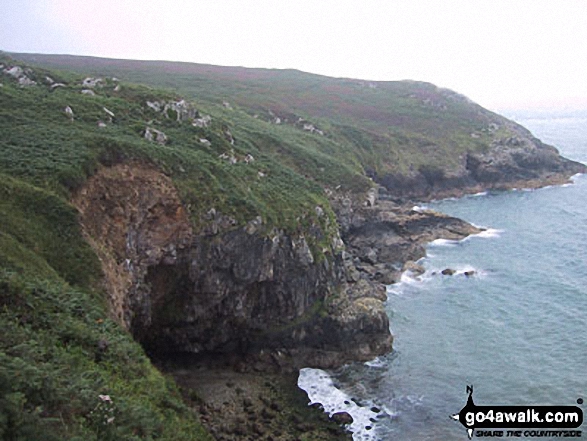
<point x="243" y="219"/>
<point x="235" y="292"/>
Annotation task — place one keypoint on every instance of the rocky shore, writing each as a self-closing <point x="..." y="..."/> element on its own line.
<point x="255" y="396"/>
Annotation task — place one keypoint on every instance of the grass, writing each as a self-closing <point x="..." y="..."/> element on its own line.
<point x="59" y="351"/>
<point x="374" y="127"/>
<point x="60" y="354"/>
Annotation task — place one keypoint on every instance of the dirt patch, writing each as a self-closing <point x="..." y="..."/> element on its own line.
<point x="133" y="218"/>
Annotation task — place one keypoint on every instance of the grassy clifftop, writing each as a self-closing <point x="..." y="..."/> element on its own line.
<point x="371" y="127"/>
<point x="243" y="147"/>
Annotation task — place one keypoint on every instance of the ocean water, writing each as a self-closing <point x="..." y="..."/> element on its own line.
<point x="516" y="329"/>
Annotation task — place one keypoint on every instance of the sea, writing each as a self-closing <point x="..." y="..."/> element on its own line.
<point x="515" y="330"/>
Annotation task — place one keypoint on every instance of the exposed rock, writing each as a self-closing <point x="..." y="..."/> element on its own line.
<point x="229" y="157"/>
<point x="369" y="255"/>
<point x="227" y="105"/>
<point x="253" y="226"/>
<point x="509" y="162"/>
<point x="469" y="273"/>
<point x="88" y="92"/>
<point x="56" y="85"/>
<point x="448" y="272"/>
<point x="155" y="105"/>
<point x="108" y="112"/>
<point x="102" y="124"/>
<point x="342" y="418"/>
<point x="260" y="406"/>
<point x="20" y="74"/>
<point x="179" y="110"/>
<point x="155" y="135"/>
<point x="202" y="122"/>
<point x="264" y="296"/>
<point x="134" y="220"/>
<point x="249" y="158"/>
<point x="92" y="82"/>
<point x="382" y="239"/>
<point x="15" y="72"/>
<point x="25" y="81"/>
<point x="205" y="142"/>
<point x="69" y="112"/>
<point x="372" y="197"/>
<point x="414" y="268"/>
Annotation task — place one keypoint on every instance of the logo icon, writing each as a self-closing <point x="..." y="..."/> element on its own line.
<point x="518" y="417"/>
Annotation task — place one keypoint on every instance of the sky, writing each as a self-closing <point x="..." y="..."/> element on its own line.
<point x="503" y="54"/>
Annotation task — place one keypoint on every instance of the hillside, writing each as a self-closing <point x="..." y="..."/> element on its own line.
<point x="246" y="218"/>
<point x="414" y="138"/>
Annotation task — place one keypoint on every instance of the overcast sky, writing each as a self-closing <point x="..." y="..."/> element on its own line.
<point x="504" y="54"/>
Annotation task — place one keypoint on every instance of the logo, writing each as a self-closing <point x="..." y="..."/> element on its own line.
<point x="514" y="421"/>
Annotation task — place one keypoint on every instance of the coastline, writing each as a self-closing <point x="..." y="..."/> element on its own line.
<point x="362" y="412"/>
<point x="238" y="403"/>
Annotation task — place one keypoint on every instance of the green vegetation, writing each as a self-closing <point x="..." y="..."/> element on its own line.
<point x="66" y="369"/>
<point x="59" y="353"/>
<point x="369" y="127"/>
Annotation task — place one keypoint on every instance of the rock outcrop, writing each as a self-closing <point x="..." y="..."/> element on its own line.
<point x="384" y="238"/>
<point x="519" y="161"/>
<point x="261" y="295"/>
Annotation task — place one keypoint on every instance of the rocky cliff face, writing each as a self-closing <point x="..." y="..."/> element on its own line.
<point x="508" y="162"/>
<point x="384" y="238"/>
<point x="226" y="290"/>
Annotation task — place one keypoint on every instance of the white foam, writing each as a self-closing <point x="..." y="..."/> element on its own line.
<point x="489" y="233"/>
<point x="320" y="388"/>
<point x="443" y="243"/>
<point x="408" y="278"/>
<point x="482" y="193"/>
<point x="376" y="363"/>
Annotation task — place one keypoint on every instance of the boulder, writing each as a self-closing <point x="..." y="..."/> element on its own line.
<point x="15" y="71"/>
<point x="179" y="110"/>
<point x="202" y="122"/>
<point x="448" y="272"/>
<point x="92" y="82"/>
<point x="342" y="418"/>
<point x="69" y="112"/>
<point x="155" y="135"/>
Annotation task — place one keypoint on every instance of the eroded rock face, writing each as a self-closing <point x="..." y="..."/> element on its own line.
<point x="510" y="162"/>
<point x="133" y="218"/>
<point x="382" y="236"/>
<point x="233" y="291"/>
